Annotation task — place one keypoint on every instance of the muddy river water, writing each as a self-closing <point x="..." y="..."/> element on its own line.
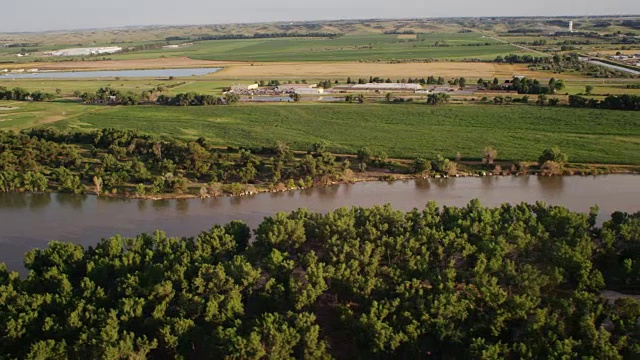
<point x="31" y="220"/>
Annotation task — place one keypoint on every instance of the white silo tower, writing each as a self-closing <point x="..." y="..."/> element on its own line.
<point x="570" y="26"/>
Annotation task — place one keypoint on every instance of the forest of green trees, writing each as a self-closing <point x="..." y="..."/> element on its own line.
<point x="514" y="282"/>
<point x="115" y="160"/>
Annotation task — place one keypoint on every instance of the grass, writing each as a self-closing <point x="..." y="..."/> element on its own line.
<point x="67" y="87"/>
<point x="25" y="115"/>
<point x="409" y="130"/>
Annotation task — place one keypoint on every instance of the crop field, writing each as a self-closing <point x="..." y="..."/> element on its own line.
<point x="356" y="47"/>
<point x="519" y="132"/>
<point x="369" y="47"/>
<point x="342" y="70"/>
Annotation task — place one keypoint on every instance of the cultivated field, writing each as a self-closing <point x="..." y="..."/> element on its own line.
<point x="353" y="47"/>
<point x="323" y="70"/>
<point x="520" y="132"/>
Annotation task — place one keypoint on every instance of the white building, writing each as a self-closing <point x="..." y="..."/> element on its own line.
<point x="240" y="88"/>
<point x="401" y="87"/>
<point x="309" y="91"/>
<point x="85" y="51"/>
<point x="570" y="26"/>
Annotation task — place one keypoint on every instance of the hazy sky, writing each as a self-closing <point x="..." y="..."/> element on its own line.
<point x="37" y="15"/>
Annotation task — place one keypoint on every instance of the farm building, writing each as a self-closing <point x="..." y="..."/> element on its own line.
<point x="293" y="87"/>
<point x="84" y="51"/>
<point x="400" y="87"/>
<point x="244" y="88"/>
<point x="176" y="46"/>
<point x="309" y="91"/>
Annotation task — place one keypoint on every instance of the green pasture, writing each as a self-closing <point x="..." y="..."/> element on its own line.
<point x="519" y="132"/>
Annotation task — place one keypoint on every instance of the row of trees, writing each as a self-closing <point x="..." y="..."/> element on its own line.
<point x="127" y="161"/>
<point x="21" y="94"/>
<point x="108" y="95"/>
<point x="121" y="160"/>
<point x="514" y="282"/>
<point x="195" y="99"/>
<point x="262" y="36"/>
<point x="533" y="86"/>
<point x="614" y="102"/>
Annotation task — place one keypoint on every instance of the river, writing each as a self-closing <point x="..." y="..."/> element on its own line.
<point x="31" y="220"/>
<point x="154" y="73"/>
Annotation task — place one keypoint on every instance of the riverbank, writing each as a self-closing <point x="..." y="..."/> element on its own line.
<point x="381" y="176"/>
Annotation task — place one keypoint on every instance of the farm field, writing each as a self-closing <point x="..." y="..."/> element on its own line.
<point x="320" y="70"/>
<point x="519" y="132"/>
<point x="68" y="87"/>
<point x="18" y="115"/>
<point x="352" y="47"/>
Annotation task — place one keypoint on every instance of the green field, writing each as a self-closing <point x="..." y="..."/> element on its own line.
<point x="344" y="48"/>
<point x="519" y="132"/>
<point x="137" y="85"/>
<point x="353" y="47"/>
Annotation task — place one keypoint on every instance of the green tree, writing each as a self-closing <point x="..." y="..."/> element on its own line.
<point x="553" y="154"/>
<point x="588" y="90"/>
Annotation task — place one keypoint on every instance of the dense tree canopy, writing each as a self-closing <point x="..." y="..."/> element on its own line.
<point x="47" y="159"/>
<point x="518" y="282"/>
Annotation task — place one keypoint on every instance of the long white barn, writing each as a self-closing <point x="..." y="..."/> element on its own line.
<point x="85" y="51"/>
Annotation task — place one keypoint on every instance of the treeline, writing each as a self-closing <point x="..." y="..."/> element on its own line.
<point x="265" y="36"/>
<point x="634" y="24"/>
<point x="398" y="32"/>
<point x="133" y="163"/>
<point x="111" y="96"/>
<point x="21" y="94"/>
<point x="512" y="282"/>
<point x="524" y="85"/>
<point x="525" y="31"/>
<point x="523" y="59"/>
<point x="108" y="95"/>
<point x="195" y="99"/>
<point x="613" y="102"/>
<point x="533" y="86"/>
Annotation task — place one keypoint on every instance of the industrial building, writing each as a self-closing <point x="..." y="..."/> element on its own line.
<point x="84" y="51"/>
<point x="379" y="87"/>
<point x="291" y="88"/>
<point x="309" y="91"/>
<point x="241" y="88"/>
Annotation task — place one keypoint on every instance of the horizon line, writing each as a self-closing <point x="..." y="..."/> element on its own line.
<point x="103" y="28"/>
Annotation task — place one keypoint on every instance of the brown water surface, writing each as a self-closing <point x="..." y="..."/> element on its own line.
<point x="30" y="221"/>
